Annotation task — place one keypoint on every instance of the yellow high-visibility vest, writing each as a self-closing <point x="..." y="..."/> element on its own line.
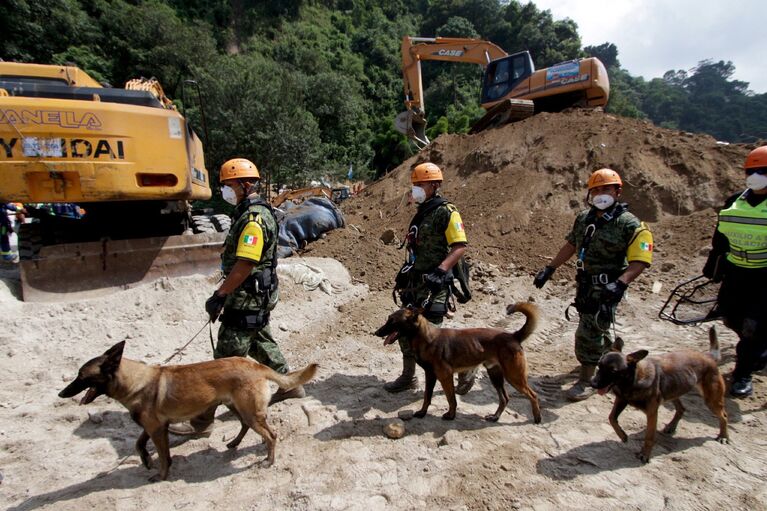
<point x="745" y="227"/>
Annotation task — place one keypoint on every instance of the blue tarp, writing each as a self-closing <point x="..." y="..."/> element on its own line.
<point x="305" y="223"/>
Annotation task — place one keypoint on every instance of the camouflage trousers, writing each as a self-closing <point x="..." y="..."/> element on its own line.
<point x="593" y="337"/>
<point x="421" y="294"/>
<point x="259" y="344"/>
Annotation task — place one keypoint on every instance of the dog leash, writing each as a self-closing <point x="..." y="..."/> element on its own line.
<point x="182" y="348"/>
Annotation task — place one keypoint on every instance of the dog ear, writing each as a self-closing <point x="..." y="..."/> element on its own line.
<point x="113" y="356"/>
<point x="617" y="345"/>
<point x="635" y="357"/>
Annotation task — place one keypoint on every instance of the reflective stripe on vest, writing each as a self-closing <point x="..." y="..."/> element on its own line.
<point x="745" y="227"/>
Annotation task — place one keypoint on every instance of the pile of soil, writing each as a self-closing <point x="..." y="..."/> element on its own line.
<point x="518" y="188"/>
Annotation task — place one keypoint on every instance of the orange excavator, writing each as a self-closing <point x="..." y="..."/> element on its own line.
<point x="511" y="87"/>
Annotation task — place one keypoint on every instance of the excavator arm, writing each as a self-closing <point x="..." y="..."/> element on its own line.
<point x="412" y="122"/>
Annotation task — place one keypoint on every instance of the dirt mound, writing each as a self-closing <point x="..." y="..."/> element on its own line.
<point x="518" y="187"/>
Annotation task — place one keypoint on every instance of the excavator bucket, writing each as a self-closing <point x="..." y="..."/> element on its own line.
<point x="413" y="126"/>
<point x="91" y="269"/>
<point x="508" y="110"/>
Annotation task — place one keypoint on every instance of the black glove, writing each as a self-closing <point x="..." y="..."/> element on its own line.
<point x="213" y="306"/>
<point x="713" y="267"/>
<point x="543" y="276"/>
<point x="613" y="292"/>
<point x="435" y="280"/>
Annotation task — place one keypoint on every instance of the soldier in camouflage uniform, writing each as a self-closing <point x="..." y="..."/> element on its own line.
<point x="613" y="247"/>
<point x="436" y="241"/>
<point x="249" y="291"/>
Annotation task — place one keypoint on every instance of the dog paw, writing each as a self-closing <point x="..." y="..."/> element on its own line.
<point x="265" y="463"/>
<point x="723" y="439"/>
<point x="669" y="430"/>
<point x="447" y="416"/>
<point x="492" y="418"/>
<point x="232" y="445"/>
<point x="420" y="414"/>
<point x="537" y="419"/>
<point x="146" y="461"/>
<point x="156" y="478"/>
<point x="644" y="458"/>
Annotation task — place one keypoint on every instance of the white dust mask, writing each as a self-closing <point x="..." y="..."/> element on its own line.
<point x="603" y="201"/>
<point x="756" y="181"/>
<point x="419" y="194"/>
<point x="227" y="193"/>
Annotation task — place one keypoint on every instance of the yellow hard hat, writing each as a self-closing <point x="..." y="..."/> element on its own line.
<point x="756" y="158"/>
<point x="604" y="177"/>
<point x="238" y="168"/>
<point x="426" y="172"/>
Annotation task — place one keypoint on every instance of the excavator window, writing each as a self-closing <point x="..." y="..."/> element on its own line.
<point x="504" y="74"/>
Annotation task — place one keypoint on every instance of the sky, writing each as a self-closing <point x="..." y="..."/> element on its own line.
<point x="655" y="36"/>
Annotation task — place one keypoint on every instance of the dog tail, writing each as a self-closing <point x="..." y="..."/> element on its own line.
<point x="531" y="312"/>
<point x="294" y="378"/>
<point x="713" y="344"/>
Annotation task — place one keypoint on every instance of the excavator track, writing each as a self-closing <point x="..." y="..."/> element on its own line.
<point x="508" y="110"/>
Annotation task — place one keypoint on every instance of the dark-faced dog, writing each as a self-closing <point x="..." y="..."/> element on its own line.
<point x="159" y="395"/>
<point x="444" y="351"/>
<point x="646" y="382"/>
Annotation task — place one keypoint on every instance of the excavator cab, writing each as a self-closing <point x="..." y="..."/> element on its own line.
<point x="502" y="75"/>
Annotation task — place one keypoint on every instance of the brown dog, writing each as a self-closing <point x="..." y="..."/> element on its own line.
<point x="444" y="351"/>
<point x="645" y="383"/>
<point x="159" y="395"/>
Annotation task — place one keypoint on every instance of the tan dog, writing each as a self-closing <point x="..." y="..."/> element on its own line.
<point x="159" y="395"/>
<point x="444" y="351"/>
<point x="645" y="383"/>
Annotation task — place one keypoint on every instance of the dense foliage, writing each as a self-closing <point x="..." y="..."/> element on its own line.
<point x="308" y="89"/>
<point x="703" y="99"/>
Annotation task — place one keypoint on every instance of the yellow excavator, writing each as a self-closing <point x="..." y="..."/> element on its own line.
<point x="124" y="155"/>
<point x="511" y="87"/>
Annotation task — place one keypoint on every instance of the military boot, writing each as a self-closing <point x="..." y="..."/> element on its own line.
<point x="406" y="380"/>
<point x="582" y="388"/>
<point x="465" y="381"/>
<point x="282" y="395"/>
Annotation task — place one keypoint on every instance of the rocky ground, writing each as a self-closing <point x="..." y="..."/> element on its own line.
<point x="518" y="188"/>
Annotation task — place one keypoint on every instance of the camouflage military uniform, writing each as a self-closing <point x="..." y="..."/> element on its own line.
<point x="233" y="338"/>
<point x="428" y="245"/>
<point x="606" y="254"/>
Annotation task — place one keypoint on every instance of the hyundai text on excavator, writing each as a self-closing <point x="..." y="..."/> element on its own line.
<point x="126" y="156"/>
<point x="511" y="87"/>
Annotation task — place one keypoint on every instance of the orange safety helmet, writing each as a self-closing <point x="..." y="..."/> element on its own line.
<point x="425" y="172"/>
<point x="756" y="158"/>
<point x="604" y="177"/>
<point x="238" y="168"/>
